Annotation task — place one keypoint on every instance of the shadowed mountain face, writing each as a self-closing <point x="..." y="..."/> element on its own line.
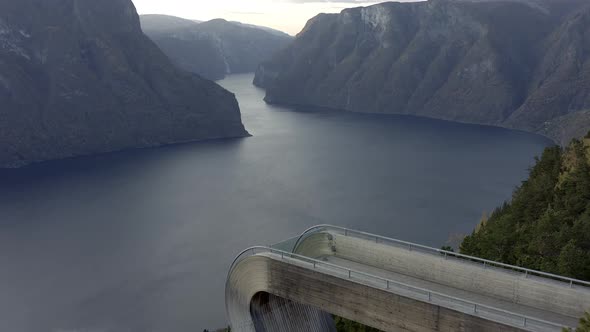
<point x="80" y="77"/>
<point x="215" y="48"/>
<point x="519" y="63"/>
<point x="160" y="23"/>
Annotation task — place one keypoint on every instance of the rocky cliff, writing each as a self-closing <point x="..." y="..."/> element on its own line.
<point x="80" y="77"/>
<point x="513" y="63"/>
<point x="214" y="48"/>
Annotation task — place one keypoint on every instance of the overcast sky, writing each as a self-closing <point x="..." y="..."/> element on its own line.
<point x="287" y="15"/>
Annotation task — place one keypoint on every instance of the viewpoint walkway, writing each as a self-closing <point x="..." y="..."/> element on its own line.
<point x="392" y="285"/>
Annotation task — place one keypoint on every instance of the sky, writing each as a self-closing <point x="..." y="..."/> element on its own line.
<point x="289" y="16"/>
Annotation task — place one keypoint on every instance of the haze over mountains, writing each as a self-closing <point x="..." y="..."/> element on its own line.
<point x="518" y="63"/>
<point x="214" y="48"/>
<point x="80" y="77"/>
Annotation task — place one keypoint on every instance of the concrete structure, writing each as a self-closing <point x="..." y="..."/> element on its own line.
<point x="393" y="285"/>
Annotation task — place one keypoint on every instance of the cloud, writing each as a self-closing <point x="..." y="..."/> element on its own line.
<point x="239" y="12"/>
<point x="330" y="1"/>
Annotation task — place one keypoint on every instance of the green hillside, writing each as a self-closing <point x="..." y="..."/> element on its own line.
<point x="546" y="226"/>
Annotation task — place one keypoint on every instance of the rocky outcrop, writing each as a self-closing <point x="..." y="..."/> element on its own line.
<point x="215" y="48"/>
<point x="513" y="63"/>
<point x="567" y="127"/>
<point x="560" y="85"/>
<point x="80" y="77"/>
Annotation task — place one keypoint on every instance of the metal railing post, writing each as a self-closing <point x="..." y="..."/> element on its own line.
<point x="363" y="235"/>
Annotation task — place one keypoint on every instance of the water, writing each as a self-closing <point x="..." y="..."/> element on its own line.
<point x="142" y="240"/>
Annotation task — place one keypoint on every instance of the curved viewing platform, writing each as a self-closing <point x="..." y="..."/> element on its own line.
<point x="395" y="285"/>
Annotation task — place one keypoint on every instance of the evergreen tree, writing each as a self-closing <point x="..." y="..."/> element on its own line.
<point x="584" y="324"/>
<point x="345" y="325"/>
<point x="546" y="226"/>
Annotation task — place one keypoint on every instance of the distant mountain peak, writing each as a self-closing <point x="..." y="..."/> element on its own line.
<point x="157" y="22"/>
<point x="217" y="20"/>
<point x="511" y="63"/>
<point x="217" y="47"/>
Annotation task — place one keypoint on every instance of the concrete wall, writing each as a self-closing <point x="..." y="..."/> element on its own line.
<point x="506" y="285"/>
<point x="246" y="279"/>
<point x="271" y="313"/>
<point x="316" y="245"/>
<point x="345" y="298"/>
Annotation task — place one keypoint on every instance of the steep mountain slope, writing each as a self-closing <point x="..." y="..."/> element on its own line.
<point x="267" y="29"/>
<point x="567" y="127"/>
<point x="546" y="226"/>
<point x="79" y="77"/>
<point x="215" y="48"/>
<point x="561" y="84"/>
<point x="488" y="62"/>
<point x="157" y="22"/>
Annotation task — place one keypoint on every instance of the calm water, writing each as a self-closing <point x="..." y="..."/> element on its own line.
<point x="141" y="240"/>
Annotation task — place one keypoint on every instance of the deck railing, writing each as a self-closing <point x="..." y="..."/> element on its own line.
<point x="439" y="252"/>
<point x="417" y="293"/>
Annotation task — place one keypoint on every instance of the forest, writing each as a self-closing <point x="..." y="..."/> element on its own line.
<point x="546" y="225"/>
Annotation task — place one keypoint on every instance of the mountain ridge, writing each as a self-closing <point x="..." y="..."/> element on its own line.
<point x="466" y="61"/>
<point x="80" y="78"/>
<point x="214" y="48"/>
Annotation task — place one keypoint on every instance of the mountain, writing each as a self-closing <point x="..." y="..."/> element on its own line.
<point x="561" y="84"/>
<point x="566" y="127"/>
<point x="267" y="29"/>
<point x="511" y="63"/>
<point x="152" y="23"/>
<point x="80" y="77"/>
<point x="214" y="48"/>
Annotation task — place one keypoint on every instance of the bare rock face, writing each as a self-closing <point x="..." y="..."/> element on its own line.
<point x="567" y="127"/>
<point x="560" y="85"/>
<point x="214" y="48"/>
<point x="513" y="63"/>
<point x="79" y="77"/>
